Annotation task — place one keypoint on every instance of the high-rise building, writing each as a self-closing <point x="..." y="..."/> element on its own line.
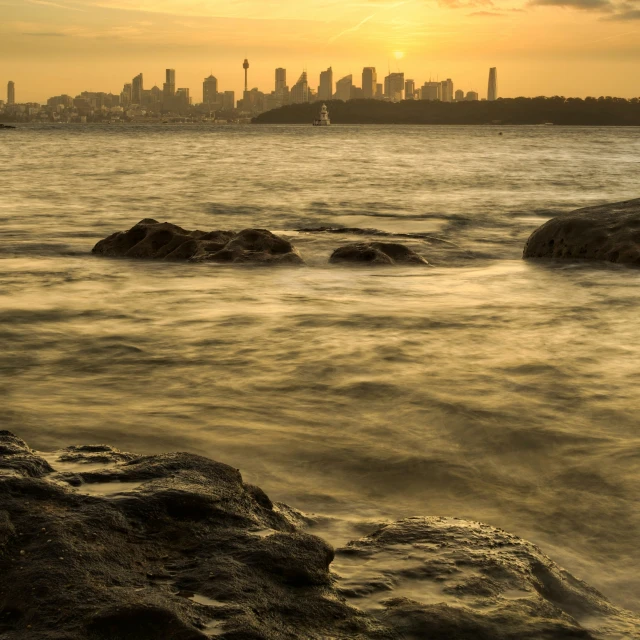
<point x="471" y="96"/>
<point x="11" y="92"/>
<point x="210" y="90"/>
<point x="325" y="90"/>
<point x="169" y="87"/>
<point x="431" y="91"/>
<point x="182" y="99"/>
<point x="446" y="93"/>
<point x="300" y="90"/>
<point x="137" y="87"/>
<point x="343" y="88"/>
<point x="409" y="90"/>
<point x="245" y="66"/>
<point x="369" y="82"/>
<point x="459" y="96"/>
<point x="281" y="79"/>
<point x="379" y="91"/>
<point x="229" y="101"/>
<point x="492" y="92"/>
<point x="394" y="86"/>
<point x="125" y="95"/>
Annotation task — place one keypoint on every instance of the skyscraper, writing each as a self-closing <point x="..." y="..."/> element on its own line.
<point x="169" y="87"/>
<point x="137" y="87"/>
<point x="325" y="90"/>
<point x="471" y="96"/>
<point x="343" y="88"/>
<point x="125" y="95"/>
<point x="281" y="79"/>
<point x="11" y="92"/>
<point x="229" y="101"/>
<point x="245" y="66"/>
<point x="446" y="92"/>
<point x="409" y="89"/>
<point x="300" y="90"/>
<point x="459" y="97"/>
<point x="394" y="86"/>
<point x="492" y="92"/>
<point x="431" y="91"/>
<point x="369" y="82"/>
<point x="210" y="90"/>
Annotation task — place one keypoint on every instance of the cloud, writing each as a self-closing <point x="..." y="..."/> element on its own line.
<point x="51" y="34"/>
<point x="486" y="14"/>
<point x="629" y="14"/>
<point x="585" y="5"/>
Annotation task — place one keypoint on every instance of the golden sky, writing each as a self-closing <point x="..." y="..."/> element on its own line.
<point x="541" y="47"/>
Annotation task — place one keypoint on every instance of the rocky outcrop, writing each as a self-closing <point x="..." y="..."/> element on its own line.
<point x="153" y="240"/>
<point x="609" y="232"/>
<point x="97" y="544"/>
<point x="376" y="253"/>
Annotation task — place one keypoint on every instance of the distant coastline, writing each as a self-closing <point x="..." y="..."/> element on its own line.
<point x="507" y="111"/>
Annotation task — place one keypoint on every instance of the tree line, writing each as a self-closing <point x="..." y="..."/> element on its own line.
<point x="603" y="111"/>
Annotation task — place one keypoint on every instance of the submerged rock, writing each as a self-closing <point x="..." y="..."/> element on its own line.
<point x="608" y="232"/>
<point x="99" y="544"/>
<point x="376" y="253"/>
<point x="153" y="240"/>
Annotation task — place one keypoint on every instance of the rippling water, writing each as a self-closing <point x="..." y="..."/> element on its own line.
<point x="483" y="387"/>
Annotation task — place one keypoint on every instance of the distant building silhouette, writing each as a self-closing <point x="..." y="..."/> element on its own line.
<point x="137" y="87"/>
<point x="409" y="90"/>
<point x="431" y="91"/>
<point x="459" y="96"/>
<point x="281" y="79"/>
<point x="394" y="86"/>
<point x="169" y="87"/>
<point x="229" y="101"/>
<point x="125" y="95"/>
<point x="492" y="92"/>
<point x="343" y="88"/>
<point x="446" y="92"/>
<point x="379" y="91"/>
<point x="369" y="82"/>
<point x="472" y="96"/>
<point x="245" y="66"/>
<point x="210" y="90"/>
<point x="325" y="90"/>
<point x="300" y="90"/>
<point x="11" y="92"/>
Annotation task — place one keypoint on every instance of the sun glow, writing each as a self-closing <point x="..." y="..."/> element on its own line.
<point x="398" y="55"/>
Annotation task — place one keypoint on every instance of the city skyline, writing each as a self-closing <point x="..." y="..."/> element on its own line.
<point x="542" y="47"/>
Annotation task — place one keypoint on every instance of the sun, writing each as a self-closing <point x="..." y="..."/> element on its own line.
<point x="398" y="55"/>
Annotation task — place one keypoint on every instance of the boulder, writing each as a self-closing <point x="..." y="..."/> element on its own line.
<point x="99" y="544"/>
<point x="153" y="240"/>
<point x="608" y="232"/>
<point x="376" y="253"/>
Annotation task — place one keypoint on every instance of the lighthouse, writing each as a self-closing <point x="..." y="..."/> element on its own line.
<point x="323" y="120"/>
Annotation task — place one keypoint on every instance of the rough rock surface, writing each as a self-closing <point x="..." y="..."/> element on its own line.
<point x="376" y="253"/>
<point x="97" y="544"/>
<point x="609" y="232"/>
<point x="155" y="240"/>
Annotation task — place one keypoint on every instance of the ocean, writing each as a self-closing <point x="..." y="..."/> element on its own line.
<point x="482" y="387"/>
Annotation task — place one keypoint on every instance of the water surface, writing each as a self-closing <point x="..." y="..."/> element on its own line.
<point x="483" y="387"/>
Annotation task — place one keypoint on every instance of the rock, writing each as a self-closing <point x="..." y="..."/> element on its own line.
<point x="180" y="548"/>
<point x="376" y="253"/>
<point x="609" y="232"/>
<point x="470" y="581"/>
<point x="154" y="240"/>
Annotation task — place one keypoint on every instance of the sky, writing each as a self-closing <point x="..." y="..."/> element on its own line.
<point x="540" y="47"/>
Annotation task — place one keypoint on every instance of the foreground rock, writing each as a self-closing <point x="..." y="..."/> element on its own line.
<point x="376" y="253"/>
<point x="99" y="544"/>
<point x="155" y="240"/>
<point x="609" y="232"/>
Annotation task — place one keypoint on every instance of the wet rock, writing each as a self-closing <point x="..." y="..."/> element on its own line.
<point x="153" y="240"/>
<point x="450" y="578"/>
<point x="609" y="232"/>
<point x="184" y="549"/>
<point x="376" y="253"/>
